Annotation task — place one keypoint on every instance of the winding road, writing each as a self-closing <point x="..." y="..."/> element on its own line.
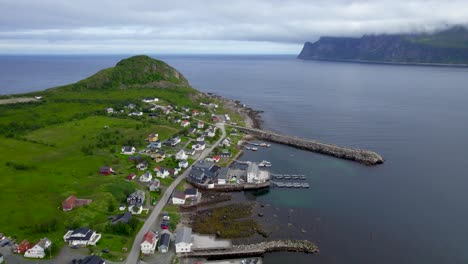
<point x="133" y="256"/>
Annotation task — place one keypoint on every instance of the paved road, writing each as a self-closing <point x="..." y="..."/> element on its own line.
<point x="133" y="256"/>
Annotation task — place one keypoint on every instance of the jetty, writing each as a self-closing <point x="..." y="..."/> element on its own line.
<point x="366" y="157"/>
<point x="252" y="250"/>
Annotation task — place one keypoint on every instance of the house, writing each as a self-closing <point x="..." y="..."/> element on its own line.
<point x="154" y="185"/>
<point x="153" y="137"/>
<point x="210" y="132"/>
<point x="195" y="112"/>
<point x="233" y="132"/>
<point x="201" y="138"/>
<point x="138" y="197"/>
<point x="22" y="247"/>
<point x="200" y="145"/>
<point x="174" y="141"/>
<point x="122" y="219"/>
<point x="106" y="170"/>
<point x="225" y="153"/>
<point x="164" y="243"/>
<point x="148" y="243"/>
<point x="38" y="98"/>
<point x="186" y="117"/>
<point x="122" y="207"/>
<point x="150" y="100"/>
<point x="191" y="193"/>
<point x="128" y="150"/>
<point x="146" y="177"/>
<point x="159" y="156"/>
<point x="185" y="123"/>
<point x="135" y="114"/>
<point x="252" y="172"/>
<point x="203" y="171"/>
<point x="163" y="173"/>
<point x="183" y="163"/>
<point x="178" y="197"/>
<point x="190" y="152"/>
<point x="153" y="146"/>
<point x="192" y="130"/>
<point x="91" y="260"/>
<point x="216" y="158"/>
<point x="72" y="202"/>
<point x="215" y="119"/>
<point x="38" y="250"/>
<point x="200" y="124"/>
<point x="131" y="176"/>
<point x="174" y="171"/>
<point x="130" y="106"/>
<point x="143" y="165"/>
<point x="110" y="110"/>
<point x="223" y="175"/>
<point x="226" y="116"/>
<point x="181" y="155"/>
<point x="81" y="236"/>
<point x="186" y="109"/>
<point x="227" y="142"/>
<point x="184" y="240"/>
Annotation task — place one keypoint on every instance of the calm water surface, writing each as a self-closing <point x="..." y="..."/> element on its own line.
<point x="412" y="209"/>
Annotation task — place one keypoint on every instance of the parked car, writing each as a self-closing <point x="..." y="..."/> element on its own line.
<point x="5" y="243"/>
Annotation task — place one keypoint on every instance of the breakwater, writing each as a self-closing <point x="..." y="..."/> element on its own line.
<point x="363" y="156"/>
<point x="258" y="249"/>
<point x="232" y="187"/>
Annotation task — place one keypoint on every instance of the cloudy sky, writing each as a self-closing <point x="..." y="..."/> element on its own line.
<point x="208" y="26"/>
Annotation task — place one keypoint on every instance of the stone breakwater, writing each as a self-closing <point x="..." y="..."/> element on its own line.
<point x="363" y="156"/>
<point x="258" y="249"/>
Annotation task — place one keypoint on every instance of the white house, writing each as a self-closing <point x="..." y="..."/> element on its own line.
<point x="183" y="163"/>
<point x="181" y="155"/>
<point x="135" y="114"/>
<point x="38" y="250"/>
<point x="150" y="100"/>
<point x="128" y="150"/>
<point x="210" y="132"/>
<point x="200" y="124"/>
<point x="199" y="146"/>
<point x="184" y="240"/>
<point x="201" y="138"/>
<point x="227" y="142"/>
<point x="174" y="141"/>
<point x="148" y="244"/>
<point x="226" y="116"/>
<point x="154" y="185"/>
<point x="146" y="177"/>
<point x="81" y="236"/>
<point x="163" y="173"/>
<point x="178" y="197"/>
<point x="185" y="123"/>
<point x="110" y="110"/>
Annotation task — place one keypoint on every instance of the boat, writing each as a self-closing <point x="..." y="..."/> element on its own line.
<point x="255" y="144"/>
<point x="297" y="185"/>
<point x="305" y="185"/>
<point x="280" y="184"/>
<point x="254" y="148"/>
<point x="279" y="177"/>
<point x="288" y="185"/>
<point x="287" y="177"/>
<point x="302" y="178"/>
<point x="264" y="163"/>
<point x="248" y="148"/>
<point x="295" y="177"/>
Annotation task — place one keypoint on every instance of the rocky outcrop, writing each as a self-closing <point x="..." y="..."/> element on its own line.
<point x="363" y="156"/>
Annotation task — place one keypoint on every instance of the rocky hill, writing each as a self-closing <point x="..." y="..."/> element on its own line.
<point x="443" y="47"/>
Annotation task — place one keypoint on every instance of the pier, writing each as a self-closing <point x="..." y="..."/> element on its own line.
<point x="252" y="250"/>
<point x="366" y="157"/>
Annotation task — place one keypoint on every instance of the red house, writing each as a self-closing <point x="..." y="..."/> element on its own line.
<point x="105" y="170"/>
<point x="72" y="202"/>
<point x="22" y="247"/>
<point x="215" y="119"/>
<point x="131" y="176"/>
<point x="216" y="158"/>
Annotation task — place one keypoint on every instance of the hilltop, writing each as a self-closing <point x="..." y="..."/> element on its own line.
<point x="136" y="71"/>
<point x="448" y="46"/>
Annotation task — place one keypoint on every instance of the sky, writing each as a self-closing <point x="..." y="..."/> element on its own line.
<point x="208" y="26"/>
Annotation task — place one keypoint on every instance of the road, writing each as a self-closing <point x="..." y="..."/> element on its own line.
<point x="133" y="256"/>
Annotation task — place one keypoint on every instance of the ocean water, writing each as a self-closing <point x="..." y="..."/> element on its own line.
<point x="411" y="209"/>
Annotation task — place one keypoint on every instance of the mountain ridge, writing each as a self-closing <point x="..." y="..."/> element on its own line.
<point x="447" y="47"/>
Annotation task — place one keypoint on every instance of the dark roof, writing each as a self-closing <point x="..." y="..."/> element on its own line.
<point x="191" y="191"/>
<point x="91" y="260"/>
<point x="179" y="195"/>
<point x="222" y="174"/>
<point x="123" y="218"/>
<point x="82" y="230"/>
<point x="165" y="240"/>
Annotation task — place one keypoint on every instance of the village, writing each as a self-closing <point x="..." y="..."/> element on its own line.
<point x="202" y="155"/>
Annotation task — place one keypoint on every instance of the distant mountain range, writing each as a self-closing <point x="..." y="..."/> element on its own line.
<point x="448" y="47"/>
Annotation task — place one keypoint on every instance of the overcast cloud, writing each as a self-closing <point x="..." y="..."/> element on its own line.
<point x="208" y="26"/>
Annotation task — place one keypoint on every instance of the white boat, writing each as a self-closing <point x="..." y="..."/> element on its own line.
<point x="248" y="148"/>
<point x="254" y="148"/>
<point x="264" y="163"/>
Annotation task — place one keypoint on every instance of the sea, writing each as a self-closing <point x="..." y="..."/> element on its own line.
<point x="411" y="209"/>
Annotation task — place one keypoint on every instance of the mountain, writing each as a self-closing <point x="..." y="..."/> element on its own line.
<point x="448" y="46"/>
<point x="136" y="71"/>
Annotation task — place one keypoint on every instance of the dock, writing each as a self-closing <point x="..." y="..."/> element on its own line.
<point x="366" y="157"/>
<point x="252" y="250"/>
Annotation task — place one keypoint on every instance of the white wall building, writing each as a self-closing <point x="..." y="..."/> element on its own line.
<point x="148" y="244"/>
<point x="184" y="240"/>
<point x="38" y="250"/>
<point x="81" y="236"/>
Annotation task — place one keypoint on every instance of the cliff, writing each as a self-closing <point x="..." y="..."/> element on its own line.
<point x="443" y="47"/>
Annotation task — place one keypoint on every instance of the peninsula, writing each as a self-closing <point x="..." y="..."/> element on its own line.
<point x="447" y="47"/>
